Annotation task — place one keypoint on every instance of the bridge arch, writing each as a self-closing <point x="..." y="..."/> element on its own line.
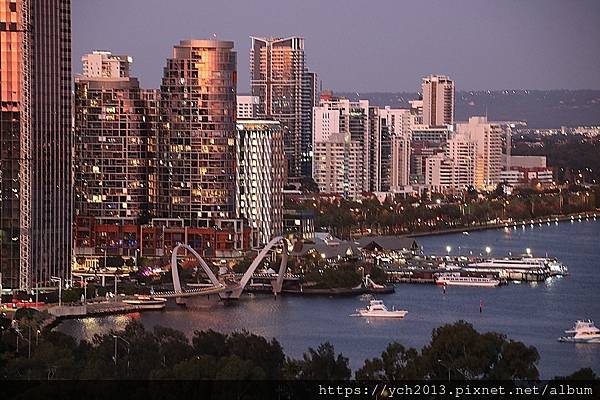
<point x="175" y="271"/>
<point x="235" y="294"/>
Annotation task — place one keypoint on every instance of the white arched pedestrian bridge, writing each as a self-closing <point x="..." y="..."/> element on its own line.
<point x="229" y="290"/>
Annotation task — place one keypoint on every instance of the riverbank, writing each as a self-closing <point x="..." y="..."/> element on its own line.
<point x="325" y="292"/>
<point x="541" y="220"/>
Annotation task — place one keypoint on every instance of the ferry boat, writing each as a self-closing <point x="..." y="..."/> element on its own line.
<point x="377" y="309"/>
<point x="147" y="302"/>
<point x="582" y="332"/>
<point x="550" y="266"/>
<point x="457" y="280"/>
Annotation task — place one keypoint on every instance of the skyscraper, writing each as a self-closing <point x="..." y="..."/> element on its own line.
<point x="115" y="135"/>
<point x="197" y="132"/>
<point x="453" y="169"/>
<point x="287" y="92"/>
<point x="35" y="142"/>
<point x="260" y="168"/>
<point x="394" y="144"/>
<point x="438" y="100"/>
<point x="342" y="140"/>
<point x="487" y="137"/>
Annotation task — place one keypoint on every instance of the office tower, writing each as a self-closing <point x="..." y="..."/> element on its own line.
<point x="393" y="144"/>
<point x="488" y="141"/>
<point x="438" y="100"/>
<point x="260" y="176"/>
<point x="287" y="92"/>
<point x="197" y="132"/>
<point x="35" y="142"/>
<point x="115" y="135"/>
<point x="247" y="107"/>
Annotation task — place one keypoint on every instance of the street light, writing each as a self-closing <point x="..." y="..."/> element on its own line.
<point x="488" y="250"/>
<point x="116" y="346"/>
<point x="446" y="366"/>
<point x="59" y="280"/>
<point x="448" y="249"/>
<point x="528" y="250"/>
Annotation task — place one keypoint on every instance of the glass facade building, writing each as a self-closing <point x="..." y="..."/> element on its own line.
<point x="36" y="142"/>
<point x="196" y="160"/>
<point x="115" y="145"/>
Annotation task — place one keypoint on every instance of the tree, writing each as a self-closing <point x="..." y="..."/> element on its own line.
<point x="458" y="351"/>
<point x="320" y="364"/>
<point x="396" y="363"/>
<point x="583" y="374"/>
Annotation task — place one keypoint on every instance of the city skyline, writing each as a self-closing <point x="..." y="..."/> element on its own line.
<point x="385" y="51"/>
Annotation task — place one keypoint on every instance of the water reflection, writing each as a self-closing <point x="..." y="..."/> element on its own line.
<point x="536" y="314"/>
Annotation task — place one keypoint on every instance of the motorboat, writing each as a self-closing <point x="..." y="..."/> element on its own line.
<point x="582" y="332"/>
<point x="377" y="309"/>
<point x="147" y="302"/>
<point x="457" y="280"/>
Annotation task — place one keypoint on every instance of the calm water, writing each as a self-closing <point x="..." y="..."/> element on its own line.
<point x="535" y="314"/>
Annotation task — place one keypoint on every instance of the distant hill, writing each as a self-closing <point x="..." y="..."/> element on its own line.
<point x="540" y="108"/>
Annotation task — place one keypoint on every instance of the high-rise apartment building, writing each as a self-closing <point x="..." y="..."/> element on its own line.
<point x="247" y="107"/>
<point x="488" y="145"/>
<point x="36" y="141"/>
<point x="453" y="169"/>
<point x="197" y="132"/>
<point x="341" y="147"/>
<point x="260" y="173"/>
<point x="287" y="92"/>
<point x="104" y="64"/>
<point x="393" y="144"/>
<point x="438" y="100"/>
<point x="115" y="141"/>
<point x="426" y="141"/>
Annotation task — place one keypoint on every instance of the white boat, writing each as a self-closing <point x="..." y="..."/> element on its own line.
<point x="520" y="264"/>
<point x="457" y="280"/>
<point x="377" y="309"/>
<point x="147" y="302"/>
<point x="582" y="332"/>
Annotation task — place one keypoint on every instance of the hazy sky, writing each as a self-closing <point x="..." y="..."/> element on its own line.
<point x="367" y="45"/>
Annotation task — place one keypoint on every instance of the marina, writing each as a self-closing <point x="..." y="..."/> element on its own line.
<point x="535" y="313"/>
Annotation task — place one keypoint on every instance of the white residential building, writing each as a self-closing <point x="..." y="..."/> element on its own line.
<point x="488" y="144"/>
<point x="247" y="107"/>
<point x="260" y="176"/>
<point x="438" y="100"/>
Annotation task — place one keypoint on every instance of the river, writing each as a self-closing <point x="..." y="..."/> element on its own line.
<point x="536" y="314"/>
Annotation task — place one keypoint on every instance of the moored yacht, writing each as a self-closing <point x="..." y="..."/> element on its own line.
<point x="582" y="332"/>
<point x="377" y="309"/>
<point x="147" y="302"/>
<point x="457" y="280"/>
<point x="525" y="264"/>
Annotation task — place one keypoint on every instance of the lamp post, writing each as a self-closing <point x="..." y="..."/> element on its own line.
<point x="448" y="249"/>
<point x="446" y="366"/>
<point x="136" y="258"/>
<point x="488" y="250"/>
<point x="59" y="280"/>
<point x="116" y="349"/>
<point x="528" y="250"/>
<point x="116" y="280"/>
